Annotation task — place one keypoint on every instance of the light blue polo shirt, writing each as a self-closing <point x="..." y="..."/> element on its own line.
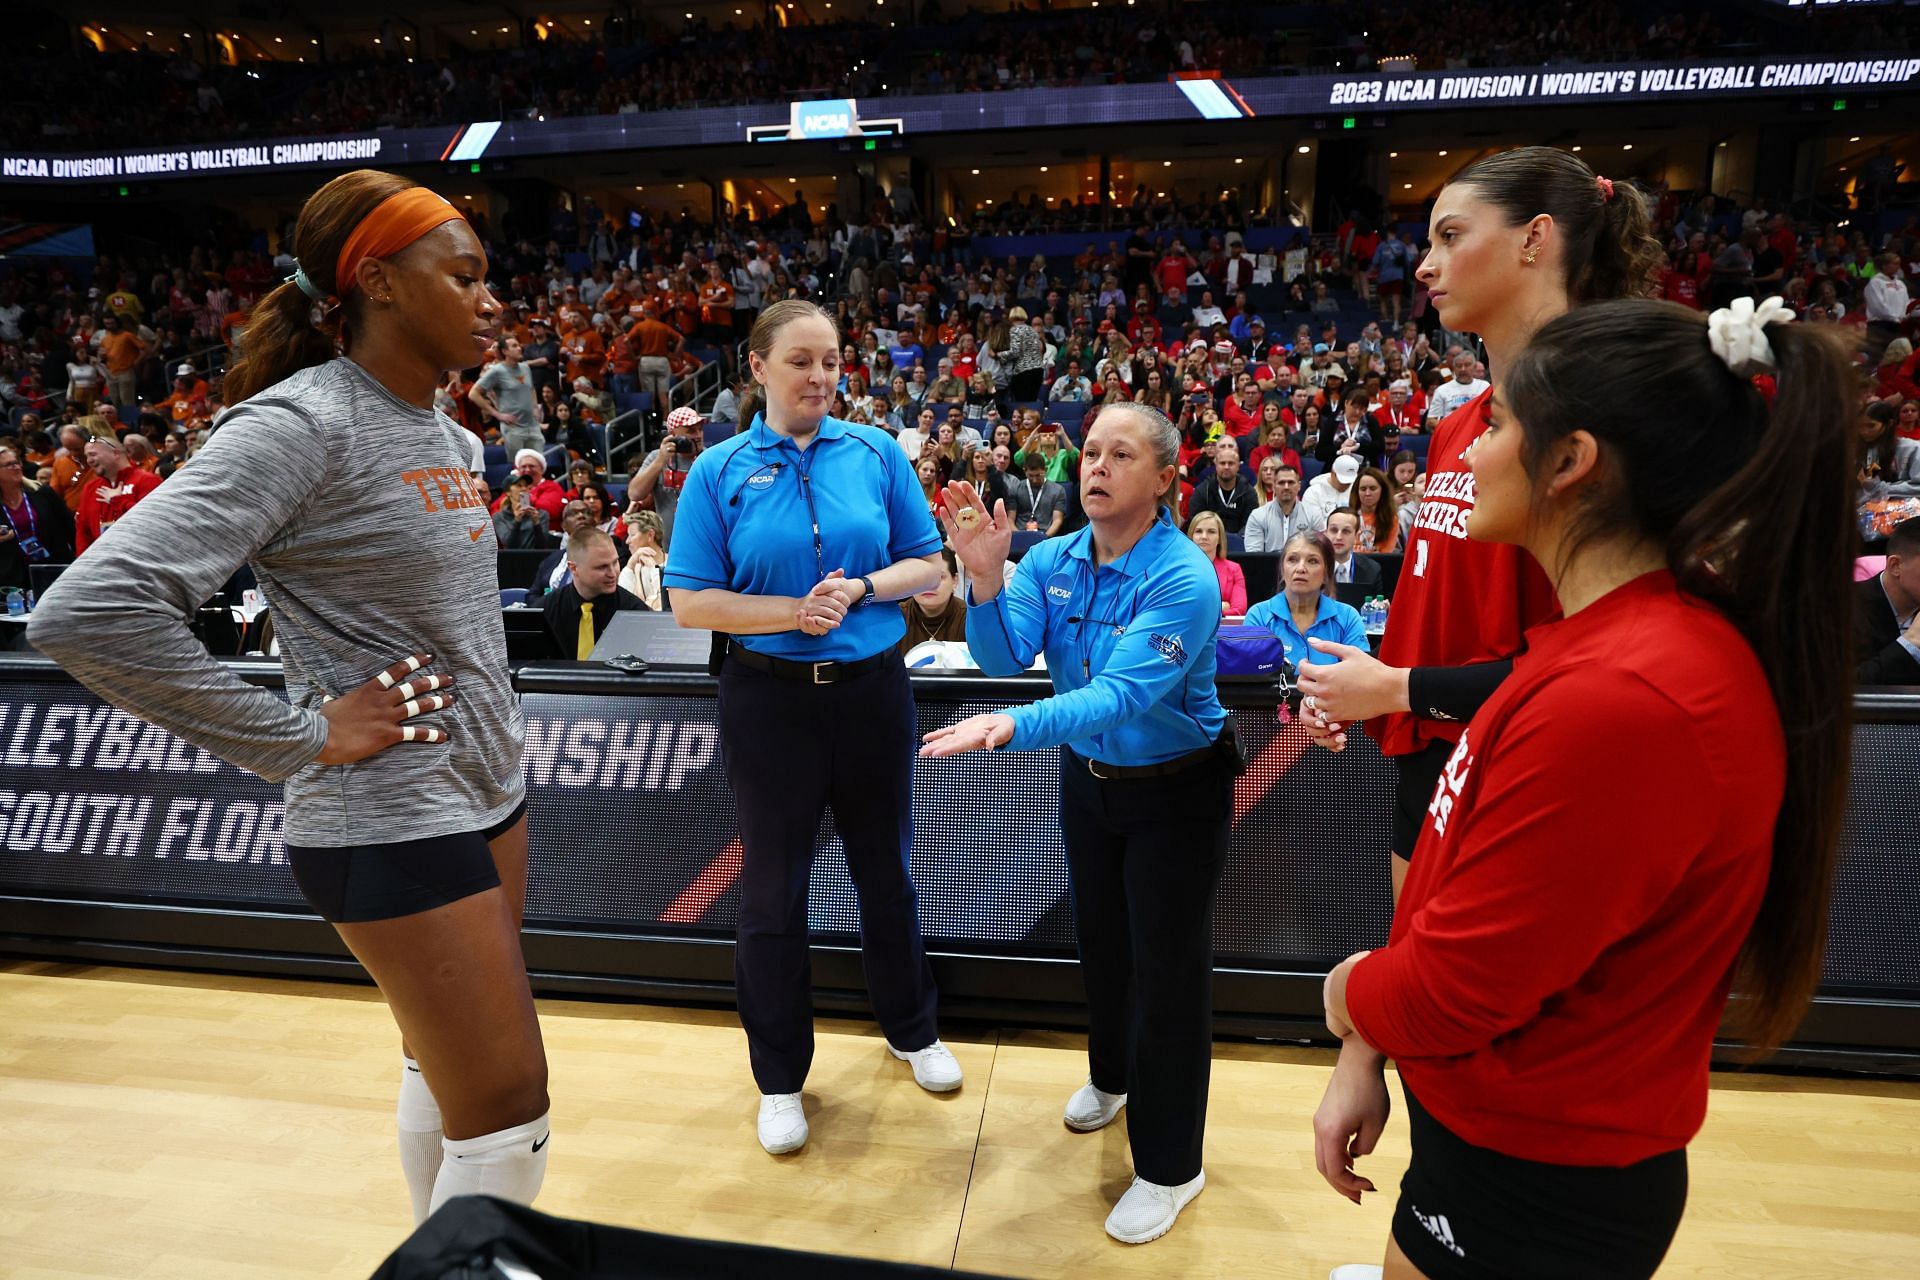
<point x="1129" y="645"/>
<point x="1335" y="621"/>
<point x="760" y="516"/>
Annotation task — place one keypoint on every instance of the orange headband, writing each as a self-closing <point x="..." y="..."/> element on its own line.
<point x="395" y="223"/>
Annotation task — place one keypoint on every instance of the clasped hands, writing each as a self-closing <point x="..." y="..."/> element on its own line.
<point x="825" y="607"/>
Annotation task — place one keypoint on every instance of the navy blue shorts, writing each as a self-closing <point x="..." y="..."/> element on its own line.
<point x="355" y="884"/>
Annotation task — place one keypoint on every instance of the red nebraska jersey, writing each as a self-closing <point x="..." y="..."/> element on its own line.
<point x="1457" y="601"/>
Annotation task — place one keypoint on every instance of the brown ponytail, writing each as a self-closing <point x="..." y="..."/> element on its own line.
<point x="1754" y="505"/>
<point x="289" y="331"/>
<point x="1607" y="245"/>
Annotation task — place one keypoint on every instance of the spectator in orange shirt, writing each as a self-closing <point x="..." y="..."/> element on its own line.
<point x="70" y="469"/>
<point x="586" y="355"/>
<point x="623" y="360"/>
<point x="655" y="344"/>
<point x="716" y="307"/>
<point x="121" y="351"/>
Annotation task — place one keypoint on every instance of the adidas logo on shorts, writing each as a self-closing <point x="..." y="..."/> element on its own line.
<point x="1439" y="1228"/>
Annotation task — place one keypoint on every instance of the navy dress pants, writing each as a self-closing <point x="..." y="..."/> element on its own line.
<point x="793" y="750"/>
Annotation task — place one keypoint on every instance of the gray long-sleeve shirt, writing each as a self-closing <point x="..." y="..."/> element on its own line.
<point x="371" y="541"/>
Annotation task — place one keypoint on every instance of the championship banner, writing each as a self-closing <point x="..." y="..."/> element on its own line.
<point x="1190" y="99"/>
<point x="631" y="828"/>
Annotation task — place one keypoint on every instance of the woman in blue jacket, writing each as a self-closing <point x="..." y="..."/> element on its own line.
<point x="1304" y="606"/>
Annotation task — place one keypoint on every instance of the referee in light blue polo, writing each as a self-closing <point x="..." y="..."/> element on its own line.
<point x="792" y="540"/>
<point x="1127" y="611"/>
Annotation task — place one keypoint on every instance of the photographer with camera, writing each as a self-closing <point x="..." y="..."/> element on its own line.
<point x="656" y="486"/>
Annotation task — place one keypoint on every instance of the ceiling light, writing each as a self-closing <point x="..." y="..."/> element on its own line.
<point x="1406" y="186"/>
<point x="1443" y="153"/>
<point x="976" y="173"/>
<point x="639" y="188"/>
<point x="1304" y="148"/>
<point x="1043" y="168"/>
<point x="1239" y="159"/>
<point x="1393" y="155"/>
<point x="1626" y="146"/>
<point x="376" y="40"/>
<point x="1166" y="164"/>
<point x="277" y="40"/>
<point x="1855" y="138"/>
<point x="150" y="33"/>
<point x="680" y="186"/>
<point x="1576" y="146"/>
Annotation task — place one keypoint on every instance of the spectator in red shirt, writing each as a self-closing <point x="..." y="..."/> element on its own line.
<point x="1243" y="409"/>
<point x="113" y="489"/>
<point x="1171" y="272"/>
<point x="542" y="493"/>
<point x="1616" y="841"/>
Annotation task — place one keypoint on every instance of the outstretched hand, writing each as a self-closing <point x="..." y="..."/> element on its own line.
<point x="981" y="540"/>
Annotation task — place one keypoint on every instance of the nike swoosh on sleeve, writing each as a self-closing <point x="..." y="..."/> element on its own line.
<point x="473" y="535"/>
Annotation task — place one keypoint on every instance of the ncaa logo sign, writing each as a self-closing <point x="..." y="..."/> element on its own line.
<point x="1060" y="588"/>
<point x="831" y="118"/>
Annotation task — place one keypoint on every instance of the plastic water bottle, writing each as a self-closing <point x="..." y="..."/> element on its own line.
<point x="16" y="602"/>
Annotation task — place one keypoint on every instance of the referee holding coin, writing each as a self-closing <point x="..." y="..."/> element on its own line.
<point x="1126" y="611"/>
<point x="792" y="540"/>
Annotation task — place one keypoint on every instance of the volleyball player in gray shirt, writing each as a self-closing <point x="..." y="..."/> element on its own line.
<point x="400" y="738"/>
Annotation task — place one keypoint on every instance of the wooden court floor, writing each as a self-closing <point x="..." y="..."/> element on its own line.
<point x="162" y="1124"/>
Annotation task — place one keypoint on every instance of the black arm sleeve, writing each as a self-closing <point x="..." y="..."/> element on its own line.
<point x="1454" y="693"/>
<point x="1893" y="665"/>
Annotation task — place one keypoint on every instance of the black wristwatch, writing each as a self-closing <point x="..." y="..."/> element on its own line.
<point x="866" y="582"/>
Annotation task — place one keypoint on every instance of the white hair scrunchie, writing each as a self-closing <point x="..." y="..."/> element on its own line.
<point x="1738" y="333"/>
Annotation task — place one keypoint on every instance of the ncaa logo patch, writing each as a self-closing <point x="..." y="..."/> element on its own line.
<point x="760" y="480"/>
<point x="1168" y="647"/>
<point x="1060" y="588"/>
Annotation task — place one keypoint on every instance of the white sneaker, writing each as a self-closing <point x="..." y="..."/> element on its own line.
<point x="1356" y="1271"/>
<point x="1147" y="1211"/>
<point x="783" y="1123"/>
<point x="935" y="1069"/>
<point x="1090" y="1108"/>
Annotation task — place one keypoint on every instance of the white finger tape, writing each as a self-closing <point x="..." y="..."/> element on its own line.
<point x="412" y="709"/>
<point x="386" y="680"/>
<point x="434" y="682"/>
<point x="407" y="690"/>
<point x="413" y="665"/>
<point x="408" y="733"/>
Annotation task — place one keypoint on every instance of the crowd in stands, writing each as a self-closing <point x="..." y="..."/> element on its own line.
<point x="76" y="99"/>
<point x="1303" y="381"/>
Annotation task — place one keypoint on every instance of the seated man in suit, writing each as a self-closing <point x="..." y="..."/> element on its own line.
<point x="579" y="612"/>
<point x="1355" y="577"/>
<point x="554" y="572"/>
<point x="1887" y="612"/>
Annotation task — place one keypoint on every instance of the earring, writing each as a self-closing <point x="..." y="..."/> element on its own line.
<point x="1529" y="256"/>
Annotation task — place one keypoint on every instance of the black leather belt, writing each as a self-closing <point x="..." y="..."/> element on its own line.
<point x="809" y="672"/>
<point x="1179" y="764"/>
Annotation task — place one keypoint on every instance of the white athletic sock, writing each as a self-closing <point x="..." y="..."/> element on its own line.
<point x="509" y="1164"/>
<point x="418" y="1119"/>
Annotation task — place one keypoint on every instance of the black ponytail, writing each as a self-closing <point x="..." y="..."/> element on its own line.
<point x="1754" y="505"/>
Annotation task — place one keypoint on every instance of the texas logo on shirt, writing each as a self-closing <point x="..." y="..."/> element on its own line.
<point x="455" y="489"/>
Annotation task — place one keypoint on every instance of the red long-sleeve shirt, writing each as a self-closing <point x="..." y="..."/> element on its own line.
<point x="1458" y="601"/>
<point x="1593" y="859"/>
